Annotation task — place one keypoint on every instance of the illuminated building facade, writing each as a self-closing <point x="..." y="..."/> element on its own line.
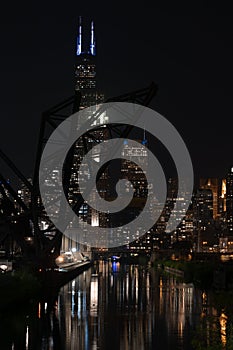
<point x="184" y="229"/>
<point x="132" y="171"/>
<point x="229" y="200"/>
<point x="222" y="199"/>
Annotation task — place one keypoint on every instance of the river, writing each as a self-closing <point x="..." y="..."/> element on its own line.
<point x="113" y="306"/>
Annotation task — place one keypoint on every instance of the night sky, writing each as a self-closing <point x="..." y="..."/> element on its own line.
<point x="186" y="51"/>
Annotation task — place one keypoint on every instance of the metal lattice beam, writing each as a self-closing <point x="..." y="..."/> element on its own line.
<point x="47" y="242"/>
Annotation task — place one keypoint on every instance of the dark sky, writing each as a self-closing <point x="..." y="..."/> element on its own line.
<point x="186" y="51"/>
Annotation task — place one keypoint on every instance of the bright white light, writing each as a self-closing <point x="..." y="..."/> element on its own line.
<point x="74" y="250"/>
<point x="27" y="337"/>
<point x="3" y="267"/>
<point x="60" y="259"/>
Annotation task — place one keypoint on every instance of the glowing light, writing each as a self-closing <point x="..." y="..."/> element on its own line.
<point x="115" y="258"/>
<point x="223" y="325"/>
<point x="39" y="310"/>
<point x="224" y="188"/>
<point x="3" y="267"/>
<point x="94" y="296"/>
<point x="144" y="142"/>
<point x="94" y="218"/>
<point x="27" y="338"/>
<point x="60" y="259"/>
<point x="115" y="266"/>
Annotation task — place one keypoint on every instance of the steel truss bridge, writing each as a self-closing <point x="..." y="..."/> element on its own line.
<point x="20" y="220"/>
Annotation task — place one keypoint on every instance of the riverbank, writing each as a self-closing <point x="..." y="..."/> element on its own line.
<point x="24" y="285"/>
<point x="203" y="274"/>
<point x="17" y="288"/>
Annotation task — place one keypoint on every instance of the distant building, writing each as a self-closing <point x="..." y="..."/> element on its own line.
<point x="202" y="215"/>
<point x="131" y="170"/>
<point x="184" y="229"/>
<point x="222" y="197"/>
<point x="213" y="185"/>
<point x="229" y="200"/>
<point x="203" y="208"/>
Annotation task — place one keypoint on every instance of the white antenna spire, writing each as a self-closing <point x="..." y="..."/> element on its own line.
<point x="79" y="38"/>
<point x="92" y="45"/>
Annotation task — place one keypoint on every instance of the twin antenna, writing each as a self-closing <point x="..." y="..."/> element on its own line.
<point x="80" y="41"/>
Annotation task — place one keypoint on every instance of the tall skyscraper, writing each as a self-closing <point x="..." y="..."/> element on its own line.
<point x="86" y="84"/>
<point x="91" y="98"/>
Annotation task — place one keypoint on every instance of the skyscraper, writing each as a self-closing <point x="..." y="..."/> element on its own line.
<point x="86" y="84"/>
<point x="91" y="98"/>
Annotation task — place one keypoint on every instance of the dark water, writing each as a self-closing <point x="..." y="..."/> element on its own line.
<point x="113" y="306"/>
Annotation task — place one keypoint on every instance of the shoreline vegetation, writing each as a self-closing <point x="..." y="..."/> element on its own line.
<point x="217" y="280"/>
<point x="27" y="286"/>
<point x="203" y="274"/>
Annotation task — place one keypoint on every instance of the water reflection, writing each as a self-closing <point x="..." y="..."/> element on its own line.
<point x="223" y="325"/>
<point x="125" y="307"/>
<point x="114" y="306"/>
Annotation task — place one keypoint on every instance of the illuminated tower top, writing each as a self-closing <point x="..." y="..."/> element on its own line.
<point x="85" y="70"/>
<point x="86" y="39"/>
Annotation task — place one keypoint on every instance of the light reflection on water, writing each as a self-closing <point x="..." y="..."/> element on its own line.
<point x="113" y="306"/>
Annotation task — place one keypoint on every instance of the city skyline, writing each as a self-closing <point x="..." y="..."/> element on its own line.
<point x="192" y="68"/>
<point x="111" y="239"/>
